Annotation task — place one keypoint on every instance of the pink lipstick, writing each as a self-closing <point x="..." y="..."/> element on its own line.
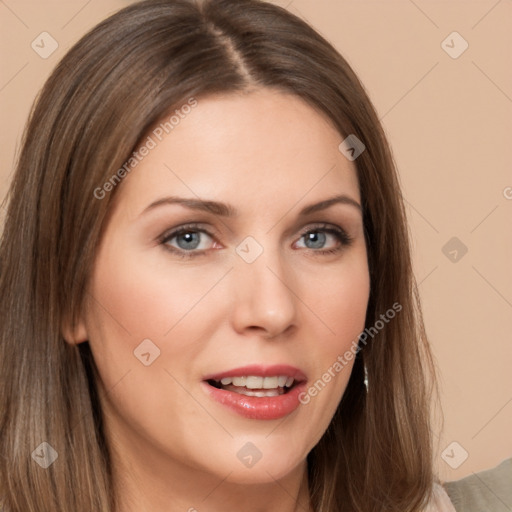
<point x="257" y="391"/>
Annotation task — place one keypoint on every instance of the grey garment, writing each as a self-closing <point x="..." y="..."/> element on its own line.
<point x="486" y="491"/>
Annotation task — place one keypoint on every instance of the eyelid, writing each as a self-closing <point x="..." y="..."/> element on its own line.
<point x="192" y="226"/>
<point x="312" y="226"/>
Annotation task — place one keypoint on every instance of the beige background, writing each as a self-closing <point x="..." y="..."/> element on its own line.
<point x="449" y="121"/>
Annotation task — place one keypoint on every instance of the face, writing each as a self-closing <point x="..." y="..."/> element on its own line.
<point x="212" y="324"/>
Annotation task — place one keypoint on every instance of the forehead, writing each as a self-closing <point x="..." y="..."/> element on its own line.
<point x="244" y="149"/>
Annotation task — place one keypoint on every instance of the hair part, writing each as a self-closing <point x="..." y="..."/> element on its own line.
<point x="102" y="99"/>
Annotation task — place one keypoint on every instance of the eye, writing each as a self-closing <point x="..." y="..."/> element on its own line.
<point x="187" y="241"/>
<point x="317" y="236"/>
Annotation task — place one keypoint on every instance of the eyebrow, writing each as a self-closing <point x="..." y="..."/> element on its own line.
<point x="226" y="210"/>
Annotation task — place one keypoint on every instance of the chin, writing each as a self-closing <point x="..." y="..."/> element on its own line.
<point x="259" y="460"/>
<point x="262" y="472"/>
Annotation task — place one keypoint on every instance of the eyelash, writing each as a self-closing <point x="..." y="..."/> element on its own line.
<point x="341" y="235"/>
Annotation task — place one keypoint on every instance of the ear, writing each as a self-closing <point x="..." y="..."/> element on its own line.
<point x="74" y="334"/>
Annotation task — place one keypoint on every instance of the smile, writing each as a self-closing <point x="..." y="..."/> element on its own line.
<point x="258" y="392"/>
<point x="253" y="385"/>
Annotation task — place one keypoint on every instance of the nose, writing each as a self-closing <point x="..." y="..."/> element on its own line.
<point x="264" y="300"/>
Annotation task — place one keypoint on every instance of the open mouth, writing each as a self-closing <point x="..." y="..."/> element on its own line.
<point x="252" y="385"/>
<point x="257" y="391"/>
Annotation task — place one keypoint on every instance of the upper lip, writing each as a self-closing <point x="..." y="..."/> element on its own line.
<point x="260" y="370"/>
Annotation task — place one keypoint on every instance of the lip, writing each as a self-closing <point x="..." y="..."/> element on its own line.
<point x="258" y="408"/>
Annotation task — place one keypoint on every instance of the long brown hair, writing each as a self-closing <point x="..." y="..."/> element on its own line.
<point x="93" y="112"/>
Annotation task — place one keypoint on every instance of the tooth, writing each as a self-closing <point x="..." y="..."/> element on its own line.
<point x="253" y="382"/>
<point x="259" y="394"/>
<point x="226" y="380"/>
<point x="289" y="382"/>
<point x="246" y="392"/>
<point x="239" y="381"/>
<point x="269" y="383"/>
<point x="281" y="381"/>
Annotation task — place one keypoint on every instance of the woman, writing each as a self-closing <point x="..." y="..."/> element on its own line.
<point x="206" y="285"/>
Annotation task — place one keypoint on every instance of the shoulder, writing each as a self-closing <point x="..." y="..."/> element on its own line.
<point x="486" y="490"/>
<point x="439" y="501"/>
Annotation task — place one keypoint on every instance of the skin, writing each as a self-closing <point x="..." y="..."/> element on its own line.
<point x="268" y="155"/>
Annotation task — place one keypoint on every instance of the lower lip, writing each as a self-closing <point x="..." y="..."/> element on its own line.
<point x="258" y="408"/>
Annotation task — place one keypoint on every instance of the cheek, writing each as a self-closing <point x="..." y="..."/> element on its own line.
<point x="146" y="295"/>
<point x="340" y="303"/>
<point x="134" y="298"/>
<point x="132" y="301"/>
<point x="342" y="299"/>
